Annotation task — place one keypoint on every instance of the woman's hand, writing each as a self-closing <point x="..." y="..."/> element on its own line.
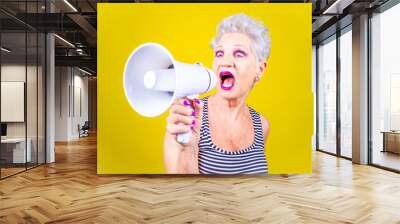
<point x="185" y="116"/>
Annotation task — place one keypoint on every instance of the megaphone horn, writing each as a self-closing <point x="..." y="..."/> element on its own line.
<point x="153" y="80"/>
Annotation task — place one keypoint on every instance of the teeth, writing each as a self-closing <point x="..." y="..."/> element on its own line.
<point x="228" y="82"/>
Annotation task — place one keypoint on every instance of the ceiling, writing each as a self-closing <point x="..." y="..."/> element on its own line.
<point x="329" y="16"/>
<point x="72" y="20"/>
<point x="76" y="22"/>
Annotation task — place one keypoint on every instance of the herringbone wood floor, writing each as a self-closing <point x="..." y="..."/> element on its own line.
<point x="69" y="191"/>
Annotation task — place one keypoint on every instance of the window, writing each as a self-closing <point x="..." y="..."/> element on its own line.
<point x="346" y="93"/>
<point x="327" y="95"/>
<point x="22" y="78"/>
<point x="385" y="88"/>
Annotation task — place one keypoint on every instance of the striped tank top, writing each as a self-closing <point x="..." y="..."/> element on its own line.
<point x="214" y="160"/>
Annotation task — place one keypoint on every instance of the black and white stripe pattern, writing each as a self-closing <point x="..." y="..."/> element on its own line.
<point x="214" y="160"/>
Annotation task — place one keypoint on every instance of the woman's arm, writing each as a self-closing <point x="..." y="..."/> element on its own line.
<point x="182" y="158"/>
<point x="179" y="159"/>
<point x="265" y="128"/>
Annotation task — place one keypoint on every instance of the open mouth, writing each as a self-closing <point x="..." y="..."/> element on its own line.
<point x="227" y="80"/>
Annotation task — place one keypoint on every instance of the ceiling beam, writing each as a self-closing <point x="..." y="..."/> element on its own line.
<point x="83" y="61"/>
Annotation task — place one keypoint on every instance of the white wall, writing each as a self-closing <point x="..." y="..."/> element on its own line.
<point x="71" y="94"/>
<point x="81" y="84"/>
<point x="12" y="101"/>
<point x="62" y="81"/>
<point x="12" y="73"/>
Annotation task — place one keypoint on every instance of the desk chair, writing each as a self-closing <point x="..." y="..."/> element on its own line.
<point x="84" y="130"/>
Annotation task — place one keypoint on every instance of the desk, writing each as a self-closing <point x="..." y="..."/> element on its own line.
<point x="391" y="141"/>
<point x="18" y="149"/>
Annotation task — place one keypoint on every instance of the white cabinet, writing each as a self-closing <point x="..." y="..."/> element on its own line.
<point x="18" y="149"/>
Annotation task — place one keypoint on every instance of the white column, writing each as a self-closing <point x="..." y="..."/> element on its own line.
<point x="360" y="90"/>
<point x="314" y="91"/>
<point x="50" y="91"/>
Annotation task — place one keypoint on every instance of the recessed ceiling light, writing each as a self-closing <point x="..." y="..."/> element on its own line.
<point x="70" y="5"/>
<point x="5" y="50"/>
<point x="65" y="41"/>
<point x="338" y="6"/>
<point x="84" y="71"/>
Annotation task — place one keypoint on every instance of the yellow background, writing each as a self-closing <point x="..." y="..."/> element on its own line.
<point x="131" y="144"/>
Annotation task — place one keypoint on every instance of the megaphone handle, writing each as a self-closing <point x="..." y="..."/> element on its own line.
<point x="184" y="138"/>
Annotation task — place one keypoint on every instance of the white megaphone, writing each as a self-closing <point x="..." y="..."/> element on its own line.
<point x="153" y="80"/>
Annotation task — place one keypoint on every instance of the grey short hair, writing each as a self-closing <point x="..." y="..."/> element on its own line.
<point x="255" y="30"/>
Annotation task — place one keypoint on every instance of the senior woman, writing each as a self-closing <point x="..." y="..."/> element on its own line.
<point x="227" y="136"/>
